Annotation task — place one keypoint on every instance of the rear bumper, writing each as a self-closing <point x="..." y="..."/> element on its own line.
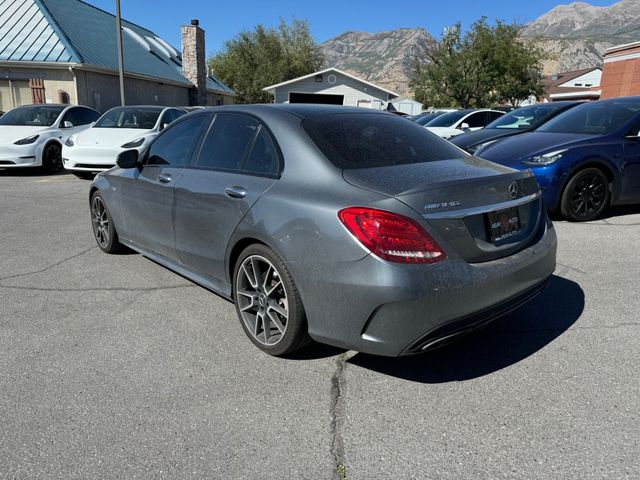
<point x="388" y="309"/>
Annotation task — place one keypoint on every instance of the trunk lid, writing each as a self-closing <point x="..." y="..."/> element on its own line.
<point x="459" y="199"/>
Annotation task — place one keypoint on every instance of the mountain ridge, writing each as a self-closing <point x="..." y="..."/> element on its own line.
<point x="576" y="35"/>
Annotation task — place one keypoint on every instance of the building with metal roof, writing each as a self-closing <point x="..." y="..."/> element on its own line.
<point x="68" y="48"/>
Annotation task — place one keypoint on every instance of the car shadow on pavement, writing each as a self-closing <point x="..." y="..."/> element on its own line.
<point x="501" y="344"/>
<point x="30" y="172"/>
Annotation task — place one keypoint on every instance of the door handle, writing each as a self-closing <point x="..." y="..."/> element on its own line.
<point x="164" y="178"/>
<point x="235" y="191"/>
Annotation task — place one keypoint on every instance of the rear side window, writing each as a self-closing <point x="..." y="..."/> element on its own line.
<point x="227" y="141"/>
<point x="175" y="145"/>
<point x="368" y="140"/>
<point x="263" y="158"/>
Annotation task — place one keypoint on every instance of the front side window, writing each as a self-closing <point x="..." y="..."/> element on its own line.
<point x="129" y="117"/>
<point x="174" y="147"/>
<point x="476" y="120"/>
<point x="227" y="141"/>
<point x="72" y="116"/>
<point x="40" y="116"/>
<point x="447" y="119"/>
<point x="87" y="116"/>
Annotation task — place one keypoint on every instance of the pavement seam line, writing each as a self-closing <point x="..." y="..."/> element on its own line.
<point x="338" y="390"/>
<point x="57" y="264"/>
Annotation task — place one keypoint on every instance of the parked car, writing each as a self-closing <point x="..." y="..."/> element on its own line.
<point x="584" y="159"/>
<point x="120" y="128"/>
<point x="519" y="121"/>
<point x="335" y="223"/>
<point x="455" y="123"/>
<point x="424" y="118"/>
<point x="32" y="135"/>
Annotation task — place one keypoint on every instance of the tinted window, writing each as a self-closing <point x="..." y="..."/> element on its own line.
<point x="129" y="117"/>
<point x="227" y="141"/>
<point x="263" y="157"/>
<point x="361" y="140"/>
<point x="447" y="119"/>
<point x="175" y="145"/>
<point x="72" y="116"/>
<point x="170" y="116"/>
<point x="596" y="118"/>
<point x="87" y="116"/>
<point x="494" y="115"/>
<point x="427" y="118"/>
<point x="476" y="120"/>
<point x="41" y="116"/>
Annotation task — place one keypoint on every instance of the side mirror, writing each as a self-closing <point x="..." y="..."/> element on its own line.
<point x="67" y="124"/>
<point x="464" y="126"/>
<point x="127" y="159"/>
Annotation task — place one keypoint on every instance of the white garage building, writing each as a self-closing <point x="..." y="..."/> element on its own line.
<point x="334" y="87"/>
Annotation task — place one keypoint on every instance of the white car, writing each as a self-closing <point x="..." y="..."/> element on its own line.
<point x="455" y="123"/>
<point x="121" y="128"/>
<point x="33" y="135"/>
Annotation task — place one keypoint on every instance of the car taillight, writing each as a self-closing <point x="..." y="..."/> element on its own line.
<point x="391" y="236"/>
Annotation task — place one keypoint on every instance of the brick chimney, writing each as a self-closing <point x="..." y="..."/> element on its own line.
<point x="194" y="67"/>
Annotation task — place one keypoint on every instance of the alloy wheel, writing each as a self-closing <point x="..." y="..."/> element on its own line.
<point x="262" y="300"/>
<point x="588" y="196"/>
<point x="100" y="222"/>
<point x="53" y="158"/>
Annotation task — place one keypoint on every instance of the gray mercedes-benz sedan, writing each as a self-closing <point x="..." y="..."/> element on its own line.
<point x="347" y="226"/>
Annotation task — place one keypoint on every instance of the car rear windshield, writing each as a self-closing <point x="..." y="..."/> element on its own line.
<point x="44" y="116"/>
<point x="129" y="117"/>
<point x="597" y="118"/>
<point x="525" y="117"/>
<point x="369" y="140"/>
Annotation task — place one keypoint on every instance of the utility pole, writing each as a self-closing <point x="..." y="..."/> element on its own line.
<point x="120" y="59"/>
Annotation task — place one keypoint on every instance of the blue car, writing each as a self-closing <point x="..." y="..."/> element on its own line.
<point x="585" y="159"/>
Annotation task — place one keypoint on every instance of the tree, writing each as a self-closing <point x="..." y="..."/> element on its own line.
<point x="486" y="65"/>
<point x="266" y="56"/>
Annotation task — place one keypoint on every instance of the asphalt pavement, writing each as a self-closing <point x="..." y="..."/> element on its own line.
<point x="113" y="367"/>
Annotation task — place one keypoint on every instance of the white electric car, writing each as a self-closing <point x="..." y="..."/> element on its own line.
<point x="461" y="121"/>
<point x="119" y="129"/>
<point x="33" y="135"/>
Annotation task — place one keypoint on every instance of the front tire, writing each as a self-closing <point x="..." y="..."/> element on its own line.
<point x="267" y="302"/>
<point x="103" y="229"/>
<point x="586" y="195"/>
<point x="52" y="158"/>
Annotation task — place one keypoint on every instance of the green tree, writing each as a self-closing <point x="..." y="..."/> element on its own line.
<point x="484" y="66"/>
<point x="265" y="56"/>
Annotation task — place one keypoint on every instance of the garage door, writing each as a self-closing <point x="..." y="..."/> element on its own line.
<point x="316" y="98"/>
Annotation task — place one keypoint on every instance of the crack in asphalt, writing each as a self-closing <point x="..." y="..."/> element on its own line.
<point x="569" y="267"/>
<point x="57" y="264"/>
<point x="338" y="390"/>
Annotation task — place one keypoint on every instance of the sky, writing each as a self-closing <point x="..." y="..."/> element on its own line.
<point x="328" y="18"/>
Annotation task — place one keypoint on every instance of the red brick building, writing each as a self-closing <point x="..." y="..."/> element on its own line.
<point x="621" y="74"/>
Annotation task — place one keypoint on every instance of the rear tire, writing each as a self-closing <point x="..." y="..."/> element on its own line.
<point x="52" y="158"/>
<point x="267" y="302"/>
<point x="104" y="230"/>
<point x="586" y="195"/>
